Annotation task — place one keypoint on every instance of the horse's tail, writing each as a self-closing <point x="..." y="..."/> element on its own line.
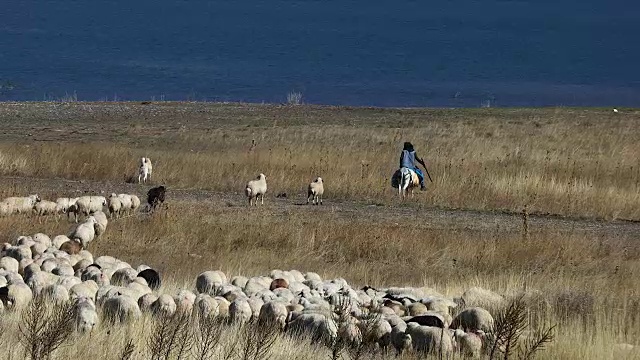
<point x="396" y="179"/>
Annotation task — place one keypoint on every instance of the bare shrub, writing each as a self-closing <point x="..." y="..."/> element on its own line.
<point x="127" y="351"/>
<point x="368" y="330"/>
<point x="258" y="337"/>
<point x="338" y="344"/>
<point x="208" y="333"/>
<point x="536" y="343"/>
<point x="45" y="327"/>
<point x="510" y="324"/>
<point x="3" y="330"/>
<point x="172" y="337"/>
<point x="294" y="98"/>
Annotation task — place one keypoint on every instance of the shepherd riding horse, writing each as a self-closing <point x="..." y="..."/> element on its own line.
<point x="405" y="179"/>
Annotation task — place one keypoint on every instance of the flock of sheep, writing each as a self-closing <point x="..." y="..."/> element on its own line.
<point x="107" y="290"/>
<point x="117" y="205"/>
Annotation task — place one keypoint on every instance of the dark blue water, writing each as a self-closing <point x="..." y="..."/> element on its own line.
<point x="382" y="53"/>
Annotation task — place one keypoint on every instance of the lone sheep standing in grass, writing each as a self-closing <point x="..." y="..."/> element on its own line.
<point x="256" y="188"/>
<point x="315" y="191"/>
<point x="145" y="170"/>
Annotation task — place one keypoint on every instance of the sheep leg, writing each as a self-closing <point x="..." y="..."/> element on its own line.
<point x="320" y="197"/>
<point x="261" y="199"/>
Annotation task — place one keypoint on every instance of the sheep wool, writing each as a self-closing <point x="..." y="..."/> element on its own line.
<point x="256" y="188"/>
<point x="85" y="232"/>
<point x="315" y="191"/>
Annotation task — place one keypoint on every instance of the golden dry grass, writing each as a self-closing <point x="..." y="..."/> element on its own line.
<point x="562" y="161"/>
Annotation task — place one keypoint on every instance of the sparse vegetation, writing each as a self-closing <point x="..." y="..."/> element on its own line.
<point x="294" y="98"/>
<point x="45" y="327"/>
<point x="580" y="163"/>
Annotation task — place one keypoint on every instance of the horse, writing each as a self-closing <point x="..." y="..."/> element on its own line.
<point x="405" y="179"/>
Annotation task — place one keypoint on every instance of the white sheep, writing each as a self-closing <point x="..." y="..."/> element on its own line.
<point x="144" y="170"/>
<point x="101" y="222"/>
<point x="430" y="340"/>
<point x="62" y="205"/>
<point x="10" y="264"/>
<point x="125" y="200"/>
<point x="469" y="344"/>
<point x="208" y="281"/>
<point x="256" y="188"/>
<point x="472" y="319"/>
<point x="120" y="308"/>
<point x="6" y="209"/>
<point x="185" y="300"/>
<point x="115" y="205"/>
<point x="315" y="191"/>
<point x="22" y="205"/>
<point x="223" y="306"/>
<point x="59" y="240"/>
<point x="206" y="306"/>
<point x="86" y="315"/>
<point x="318" y="326"/>
<point x="85" y="232"/>
<point x="145" y="301"/>
<point x="135" y="203"/>
<point x="164" y="306"/>
<point x="124" y="276"/>
<point x="87" y="205"/>
<point x="275" y="313"/>
<point x="55" y="293"/>
<point x="240" y="311"/>
<point x="400" y="340"/>
<point x="45" y="207"/>
<point x="380" y="331"/>
<point x="18" y="296"/>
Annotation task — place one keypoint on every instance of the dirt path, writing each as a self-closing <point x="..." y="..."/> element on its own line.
<point x="419" y="216"/>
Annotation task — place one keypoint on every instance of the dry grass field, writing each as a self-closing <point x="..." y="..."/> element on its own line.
<point x="576" y="171"/>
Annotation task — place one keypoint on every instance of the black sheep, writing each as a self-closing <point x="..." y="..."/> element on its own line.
<point x="155" y="196"/>
<point x="152" y="277"/>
